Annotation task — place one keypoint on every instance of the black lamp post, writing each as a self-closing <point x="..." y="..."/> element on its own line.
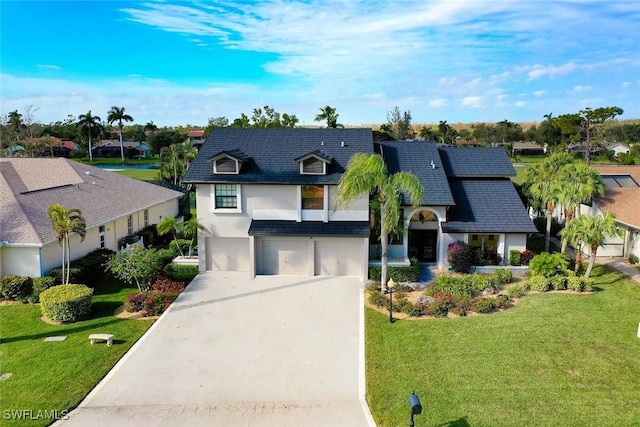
<point x="416" y="407"/>
<point x="390" y="285"/>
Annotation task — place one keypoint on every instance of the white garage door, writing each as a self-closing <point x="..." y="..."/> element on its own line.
<point x="283" y="257"/>
<point x="227" y="253"/>
<point x="338" y="257"/>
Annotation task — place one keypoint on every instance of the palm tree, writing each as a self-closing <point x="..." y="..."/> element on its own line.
<point x="329" y="115"/>
<point x="546" y="186"/>
<point x="368" y="174"/>
<point x="90" y="127"/>
<point x="189" y="230"/>
<point x="579" y="184"/>
<point x="575" y="236"/>
<point x="64" y="222"/>
<point x="117" y="114"/>
<point x="591" y="230"/>
<point x="169" y="224"/>
<point x="427" y="133"/>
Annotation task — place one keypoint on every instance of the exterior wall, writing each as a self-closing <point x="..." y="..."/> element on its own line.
<point x="358" y="211"/>
<point x="21" y="261"/>
<point x="516" y="242"/>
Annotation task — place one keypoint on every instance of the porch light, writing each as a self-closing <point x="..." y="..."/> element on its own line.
<point x="390" y="285"/>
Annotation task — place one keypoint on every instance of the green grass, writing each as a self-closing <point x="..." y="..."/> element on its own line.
<point x="520" y="170"/>
<point x="555" y="359"/>
<point x="58" y="375"/>
<point x="142" y="174"/>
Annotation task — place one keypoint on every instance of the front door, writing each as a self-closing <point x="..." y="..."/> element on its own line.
<point x="423" y="245"/>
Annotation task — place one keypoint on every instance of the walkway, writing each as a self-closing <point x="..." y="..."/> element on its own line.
<point x="276" y="350"/>
<point x="620" y="264"/>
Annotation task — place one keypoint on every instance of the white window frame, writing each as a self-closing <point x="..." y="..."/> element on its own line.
<point x="237" y="209"/>
<point x="215" y="167"/>
<point x="324" y="166"/>
<point x="145" y="217"/>
<point x="130" y="225"/>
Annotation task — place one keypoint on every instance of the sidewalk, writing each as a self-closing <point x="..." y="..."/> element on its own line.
<point x="620" y="264"/>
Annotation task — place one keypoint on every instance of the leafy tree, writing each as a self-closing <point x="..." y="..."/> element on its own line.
<point x="399" y="125"/>
<point x="592" y="230"/>
<point x="241" y="122"/>
<point x="447" y="133"/>
<point x="150" y="126"/>
<point x="546" y="186"/>
<point x="215" y="122"/>
<point x="428" y="134"/>
<point x="289" y="121"/>
<point x="548" y="132"/>
<point x="67" y="130"/>
<point x="117" y="114"/>
<point x="136" y="265"/>
<point x="180" y="157"/>
<point x="591" y="119"/>
<point x="64" y="222"/>
<point x="90" y="127"/>
<point x="328" y="114"/>
<point x="16" y="124"/>
<point x="368" y="174"/>
<point x="164" y="138"/>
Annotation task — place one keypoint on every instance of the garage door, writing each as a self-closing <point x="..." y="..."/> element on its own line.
<point x="338" y="257"/>
<point x="283" y="257"/>
<point x="227" y="253"/>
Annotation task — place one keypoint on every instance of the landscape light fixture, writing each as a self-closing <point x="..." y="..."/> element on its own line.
<point x="390" y="285"/>
<point x="416" y="407"/>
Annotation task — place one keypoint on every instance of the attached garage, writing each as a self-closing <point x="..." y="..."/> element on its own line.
<point x="228" y="254"/>
<point x="338" y="256"/>
<point x="283" y="256"/>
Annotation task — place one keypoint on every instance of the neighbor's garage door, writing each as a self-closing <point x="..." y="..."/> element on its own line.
<point x="338" y="257"/>
<point x="227" y="253"/>
<point x="283" y="256"/>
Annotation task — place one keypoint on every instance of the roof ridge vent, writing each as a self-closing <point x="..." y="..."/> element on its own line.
<point x="342" y="144"/>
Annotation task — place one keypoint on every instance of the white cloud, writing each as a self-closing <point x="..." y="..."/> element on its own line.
<point x="472" y="101"/>
<point x="625" y="85"/>
<point x="552" y="71"/>
<point x="540" y="93"/>
<point x="580" y="88"/>
<point x="438" y="103"/>
<point x="49" y="66"/>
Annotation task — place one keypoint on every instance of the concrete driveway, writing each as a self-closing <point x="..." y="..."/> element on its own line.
<point x="273" y="351"/>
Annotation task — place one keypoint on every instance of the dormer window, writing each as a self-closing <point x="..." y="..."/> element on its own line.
<point x="225" y="165"/>
<point x="314" y="163"/>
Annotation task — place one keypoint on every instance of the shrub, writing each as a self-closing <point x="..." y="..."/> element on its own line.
<point x="463" y="304"/>
<point x="547" y="265"/>
<point x="558" y="282"/>
<point x="91" y="266"/>
<point x="168" y="286"/>
<point x="66" y="303"/>
<point x="400" y="305"/>
<point x="483" y="305"/>
<point x="41" y="284"/>
<point x="633" y="259"/>
<point x="408" y="273"/>
<point x="442" y="303"/>
<point x="514" y="257"/>
<point x="526" y="256"/>
<point x="458" y="311"/>
<point x="538" y="283"/>
<point x="503" y="302"/>
<point x="413" y="310"/>
<point x="450" y="284"/>
<point x="182" y="272"/>
<point x="75" y="275"/>
<point x="502" y="276"/>
<point x="377" y="298"/>
<point x="135" y="302"/>
<point x="16" y="288"/>
<point x="461" y="257"/>
<point x="156" y="303"/>
<point x="517" y="291"/>
<point x="480" y="282"/>
<point x="580" y="284"/>
<point x="168" y="254"/>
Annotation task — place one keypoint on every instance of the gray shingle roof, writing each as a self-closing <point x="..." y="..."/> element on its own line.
<point x="309" y="228"/>
<point x="101" y="196"/>
<point x="486" y="205"/>
<point x="416" y="157"/>
<point x="489" y="162"/>
<point x="273" y="153"/>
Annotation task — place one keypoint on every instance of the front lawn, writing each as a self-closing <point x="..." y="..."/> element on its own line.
<point x="56" y="376"/>
<point x="560" y="359"/>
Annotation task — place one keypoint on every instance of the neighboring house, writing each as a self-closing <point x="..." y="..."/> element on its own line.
<point x="113" y="206"/>
<point x="616" y="147"/>
<point x="622" y="198"/>
<point x="112" y="148"/>
<point x="267" y="198"/>
<point x="196" y="138"/>
<point x="529" y="148"/>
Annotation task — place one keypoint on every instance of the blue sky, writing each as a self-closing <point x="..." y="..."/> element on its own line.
<point x="183" y="62"/>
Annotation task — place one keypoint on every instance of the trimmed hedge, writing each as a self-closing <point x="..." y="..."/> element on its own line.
<point x="408" y="273"/>
<point x="16" y="288"/>
<point x="514" y="257"/>
<point x="66" y="303"/>
<point x="181" y="272"/>
<point x="41" y="284"/>
<point x="75" y="275"/>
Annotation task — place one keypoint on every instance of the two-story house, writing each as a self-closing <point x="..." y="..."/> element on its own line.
<point x="267" y="198"/>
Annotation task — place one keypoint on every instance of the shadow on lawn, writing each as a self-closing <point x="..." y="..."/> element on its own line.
<point x="62" y="330"/>
<point x="460" y="422"/>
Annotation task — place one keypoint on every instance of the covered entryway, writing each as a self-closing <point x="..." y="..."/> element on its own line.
<point x="423" y="245"/>
<point x="338" y="257"/>
<point x="283" y="256"/>
<point x="227" y="253"/>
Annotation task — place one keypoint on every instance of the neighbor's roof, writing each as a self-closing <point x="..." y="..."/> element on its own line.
<point x="476" y="163"/>
<point x="273" y="154"/>
<point x="486" y="206"/>
<point x="28" y="187"/>
<point x="624" y="203"/>
<point x="416" y="157"/>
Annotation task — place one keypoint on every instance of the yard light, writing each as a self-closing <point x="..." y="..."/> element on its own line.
<point x="416" y="407"/>
<point x="390" y="285"/>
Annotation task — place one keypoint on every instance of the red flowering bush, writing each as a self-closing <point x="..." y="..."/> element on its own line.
<point x="526" y="256"/>
<point x="442" y="303"/>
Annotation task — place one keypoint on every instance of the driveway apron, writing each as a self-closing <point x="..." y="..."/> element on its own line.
<point x="231" y="351"/>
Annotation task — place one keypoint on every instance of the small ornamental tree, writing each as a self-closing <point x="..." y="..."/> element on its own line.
<point x="461" y="257"/>
<point x="136" y="265"/>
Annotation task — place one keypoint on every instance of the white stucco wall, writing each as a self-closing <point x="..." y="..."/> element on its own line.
<point x="20" y="261"/>
<point x="513" y="242"/>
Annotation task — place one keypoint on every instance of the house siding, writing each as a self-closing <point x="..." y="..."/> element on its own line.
<point x="20" y="261"/>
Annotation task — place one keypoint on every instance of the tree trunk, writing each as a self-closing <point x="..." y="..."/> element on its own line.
<point x="592" y="260"/>
<point x="68" y="260"/>
<point x="385" y="245"/>
<point x="578" y="260"/>
<point x="548" y="233"/>
<point x="568" y="217"/>
<point x="587" y="154"/>
<point x="64" y="261"/>
<point x="90" y="153"/>
<point x="121" y="144"/>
